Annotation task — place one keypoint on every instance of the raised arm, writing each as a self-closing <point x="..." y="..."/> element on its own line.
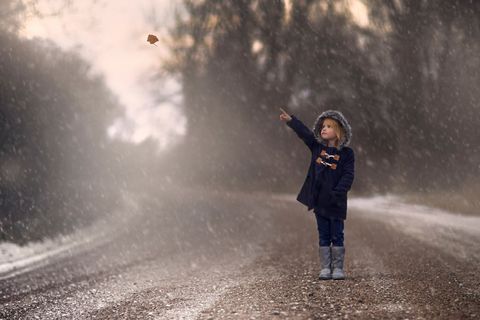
<point x="302" y="131"/>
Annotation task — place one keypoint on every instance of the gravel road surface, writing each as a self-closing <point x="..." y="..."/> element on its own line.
<point x="202" y="254"/>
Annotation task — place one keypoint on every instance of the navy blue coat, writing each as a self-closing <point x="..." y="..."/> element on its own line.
<point x="325" y="188"/>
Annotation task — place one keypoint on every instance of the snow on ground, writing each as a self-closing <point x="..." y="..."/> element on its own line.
<point x="395" y="206"/>
<point x="14" y="256"/>
<point x="16" y="259"/>
<point x="453" y="233"/>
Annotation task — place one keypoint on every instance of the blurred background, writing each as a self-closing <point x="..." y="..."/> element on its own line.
<point x="90" y="110"/>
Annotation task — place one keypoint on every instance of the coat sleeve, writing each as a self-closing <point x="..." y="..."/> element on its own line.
<point x="302" y="131"/>
<point x="348" y="174"/>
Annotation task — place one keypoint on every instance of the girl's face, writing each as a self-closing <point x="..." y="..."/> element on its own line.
<point x="327" y="132"/>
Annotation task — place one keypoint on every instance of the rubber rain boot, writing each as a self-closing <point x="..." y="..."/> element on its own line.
<point x="325" y="263"/>
<point x="338" y="257"/>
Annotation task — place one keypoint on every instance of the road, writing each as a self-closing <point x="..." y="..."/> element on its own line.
<point x="203" y="254"/>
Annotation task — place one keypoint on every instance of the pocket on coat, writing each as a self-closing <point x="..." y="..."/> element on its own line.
<point x="338" y="199"/>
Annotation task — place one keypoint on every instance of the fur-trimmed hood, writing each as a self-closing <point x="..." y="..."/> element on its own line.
<point x="337" y="115"/>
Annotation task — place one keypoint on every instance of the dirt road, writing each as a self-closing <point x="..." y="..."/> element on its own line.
<point x="202" y="254"/>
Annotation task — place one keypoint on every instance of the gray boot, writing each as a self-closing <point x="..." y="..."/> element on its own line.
<point x="325" y="261"/>
<point x="338" y="256"/>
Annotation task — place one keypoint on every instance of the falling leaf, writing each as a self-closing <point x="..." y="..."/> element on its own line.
<point x="152" y="39"/>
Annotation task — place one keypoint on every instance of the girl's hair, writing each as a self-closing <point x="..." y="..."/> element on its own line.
<point x="337" y="128"/>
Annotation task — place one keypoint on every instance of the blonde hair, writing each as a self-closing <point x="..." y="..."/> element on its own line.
<point x="337" y="128"/>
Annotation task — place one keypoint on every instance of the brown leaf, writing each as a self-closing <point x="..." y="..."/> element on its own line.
<point x="152" y="38"/>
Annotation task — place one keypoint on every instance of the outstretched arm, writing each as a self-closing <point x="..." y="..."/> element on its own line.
<point x="302" y="131"/>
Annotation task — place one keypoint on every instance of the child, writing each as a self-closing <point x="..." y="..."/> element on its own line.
<point x="330" y="177"/>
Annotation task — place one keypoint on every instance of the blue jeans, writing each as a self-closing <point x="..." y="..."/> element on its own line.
<point x="330" y="230"/>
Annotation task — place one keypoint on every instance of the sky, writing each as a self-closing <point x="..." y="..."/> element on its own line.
<point x="111" y="35"/>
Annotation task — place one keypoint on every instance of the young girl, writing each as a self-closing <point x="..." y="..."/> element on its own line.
<point x="329" y="178"/>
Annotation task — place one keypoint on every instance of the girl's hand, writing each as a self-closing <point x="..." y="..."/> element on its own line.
<point x="284" y="116"/>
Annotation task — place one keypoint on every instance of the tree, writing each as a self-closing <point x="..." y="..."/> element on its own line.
<point x="55" y="155"/>
<point x="239" y="61"/>
<point x="430" y="41"/>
